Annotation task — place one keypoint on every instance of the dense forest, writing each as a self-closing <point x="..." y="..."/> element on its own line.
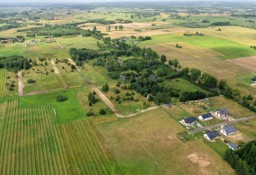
<point x="244" y="160"/>
<point x="15" y="63"/>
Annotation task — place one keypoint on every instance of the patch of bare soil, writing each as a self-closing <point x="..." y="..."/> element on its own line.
<point x="239" y="136"/>
<point x="202" y="164"/>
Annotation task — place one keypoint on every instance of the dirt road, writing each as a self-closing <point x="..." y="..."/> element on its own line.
<point x="57" y="72"/>
<point x="21" y="84"/>
<point x="73" y="63"/>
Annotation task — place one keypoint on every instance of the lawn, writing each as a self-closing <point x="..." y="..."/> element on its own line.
<point x="96" y="74"/>
<point x="46" y="50"/>
<point x="227" y="48"/>
<point x="12" y="49"/>
<point x="181" y="85"/>
<point x="78" y="42"/>
<point x="133" y="145"/>
<point x="66" y="111"/>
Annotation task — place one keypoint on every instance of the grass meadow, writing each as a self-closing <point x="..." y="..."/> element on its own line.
<point x="133" y="144"/>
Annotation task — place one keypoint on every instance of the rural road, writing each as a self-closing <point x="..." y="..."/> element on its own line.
<point x="223" y="123"/>
<point x="21" y="84"/>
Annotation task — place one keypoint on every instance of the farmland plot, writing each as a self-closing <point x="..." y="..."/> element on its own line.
<point x="31" y="143"/>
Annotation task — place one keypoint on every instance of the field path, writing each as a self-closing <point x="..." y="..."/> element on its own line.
<point x="57" y="72"/>
<point x="223" y="123"/>
<point x="74" y="63"/>
<point x="142" y="111"/>
<point x="21" y="84"/>
<point x="106" y="101"/>
<point x="62" y="47"/>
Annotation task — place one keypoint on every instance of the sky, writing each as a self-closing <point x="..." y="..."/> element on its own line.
<point x="84" y="1"/>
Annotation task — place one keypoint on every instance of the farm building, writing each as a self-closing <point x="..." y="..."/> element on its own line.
<point x="211" y="135"/>
<point x="232" y="146"/>
<point x="5" y="41"/>
<point x="228" y="130"/>
<point x="222" y="113"/>
<point x="189" y="121"/>
<point x="205" y="117"/>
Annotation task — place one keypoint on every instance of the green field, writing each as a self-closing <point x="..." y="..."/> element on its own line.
<point x="33" y="144"/>
<point x="66" y="111"/>
<point x="78" y="42"/>
<point x="181" y="85"/>
<point x="46" y="50"/>
<point x="11" y="49"/>
<point x="3" y="73"/>
<point x="228" y="49"/>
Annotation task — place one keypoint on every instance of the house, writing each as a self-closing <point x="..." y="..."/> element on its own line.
<point x="232" y="146"/>
<point x="211" y="135"/>
<point x="189" y="121"/>
<point x="205" y="117"/>
<point x="222" y="113"/>
<point x="228" y="130"/>
<point x="254" y="79"/>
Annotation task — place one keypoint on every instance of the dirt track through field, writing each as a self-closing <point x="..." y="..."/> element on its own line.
<point x="21" y="84"/>
<point x="74" y="63"/>
<point x="247" y="62"/>
<point x="57" y="72"/>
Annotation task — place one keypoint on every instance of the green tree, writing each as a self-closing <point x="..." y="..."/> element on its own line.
<point x="105" y="87"/>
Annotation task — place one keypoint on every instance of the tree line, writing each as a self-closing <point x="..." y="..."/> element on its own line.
<point x="243" y="161"/>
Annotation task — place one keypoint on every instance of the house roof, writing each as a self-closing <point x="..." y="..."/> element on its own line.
<point x="233" y="145"/>
<point x="254" y="78"/>
<point x="205" y="116"/>
<point x="212" y="134"/>
<point x="190" y="120"/>
<point x="223" y="111"/>
<point x="229" y="129"/>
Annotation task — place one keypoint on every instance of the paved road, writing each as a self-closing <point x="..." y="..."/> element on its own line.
<point x="223" y="123"/>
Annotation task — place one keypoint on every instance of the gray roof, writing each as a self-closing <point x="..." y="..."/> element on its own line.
<point x="233" y="145"/>
<point x="212" y="134"/>
<point x="205" y="116"/>
<point x="229" y="129"/>
<point x="223" y="111"/>
<point x="190" y="120"/>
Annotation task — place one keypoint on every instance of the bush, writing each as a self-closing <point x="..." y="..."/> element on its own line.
<point x="103" y="112"/>
<point x="90" y="114"/>
<point x="61" y="98"/>
<point x="30" y="81"/>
